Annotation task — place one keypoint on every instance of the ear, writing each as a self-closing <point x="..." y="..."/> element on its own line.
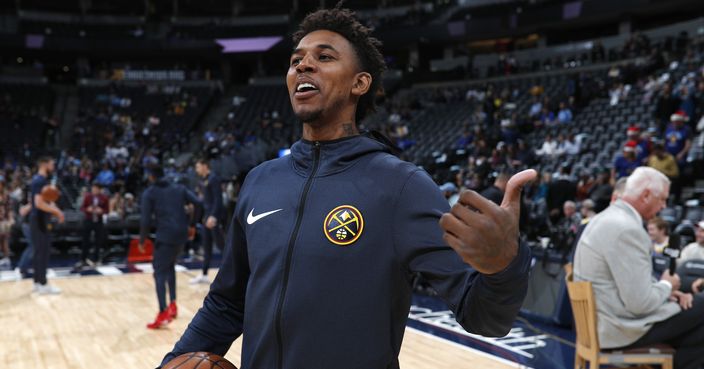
<point x="646" y="195"/>
<point x="362" y="83"/>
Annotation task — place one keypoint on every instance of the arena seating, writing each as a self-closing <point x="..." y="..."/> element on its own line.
<point x="24" y="110"/>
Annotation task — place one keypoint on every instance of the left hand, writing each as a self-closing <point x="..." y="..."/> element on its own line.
<point x="697" y="285"/>
<point x="685" y="299"/>
<point x="141" y="248"/>
<point x="486" y="239"/>
<point x="211" y="222"/>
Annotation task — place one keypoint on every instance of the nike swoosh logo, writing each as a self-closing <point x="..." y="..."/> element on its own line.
<point x="251" y="218"/>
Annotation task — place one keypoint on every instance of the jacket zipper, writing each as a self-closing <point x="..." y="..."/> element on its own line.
<point x="289" y="253"/>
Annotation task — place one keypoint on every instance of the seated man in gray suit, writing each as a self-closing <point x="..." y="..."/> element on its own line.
<point x="633" y="309"/>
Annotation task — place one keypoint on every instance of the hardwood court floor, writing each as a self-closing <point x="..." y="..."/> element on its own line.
<point x="99" y="322"/>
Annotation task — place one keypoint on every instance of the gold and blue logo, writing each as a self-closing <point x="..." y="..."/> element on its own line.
<point x="343" y="225"/>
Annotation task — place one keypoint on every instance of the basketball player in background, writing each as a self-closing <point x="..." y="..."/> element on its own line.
<point x="213" y="215"/>
<point x="166" y="203"/>
<point x="40" y="225"/>
<point x="323" y="242"/>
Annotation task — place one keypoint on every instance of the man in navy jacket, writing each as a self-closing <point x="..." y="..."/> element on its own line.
<point x="213" y="215"/>
<point x="166" y="203"/>
<point x="324" y="242"/>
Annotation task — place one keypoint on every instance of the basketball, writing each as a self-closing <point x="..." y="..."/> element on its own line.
<point x="50" y="193"/>
<point x="199" y="360"/>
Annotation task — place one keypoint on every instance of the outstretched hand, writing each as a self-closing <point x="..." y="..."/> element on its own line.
<point x="483" y="234"/>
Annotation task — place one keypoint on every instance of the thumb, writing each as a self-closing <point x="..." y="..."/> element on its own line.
<point x="514" y="186"/>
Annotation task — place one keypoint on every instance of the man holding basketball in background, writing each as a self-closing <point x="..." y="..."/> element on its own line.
<point x="323" y="243"/>
<point x="39" y="223"/>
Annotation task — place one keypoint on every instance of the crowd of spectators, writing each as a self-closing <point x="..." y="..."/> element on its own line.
<point x="114" y="140"/>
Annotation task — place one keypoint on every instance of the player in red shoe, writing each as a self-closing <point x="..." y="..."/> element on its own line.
<point x="166" y="202"/>
<point x="173" y="310"/>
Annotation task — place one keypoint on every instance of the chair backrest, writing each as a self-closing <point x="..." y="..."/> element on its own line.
<point x="584" y="310"/>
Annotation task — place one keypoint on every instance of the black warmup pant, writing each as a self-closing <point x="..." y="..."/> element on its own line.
<point x="42" y="243"/>
<point x="164" y="264"/>
<point x="89" y="226"/>
<point x="210" y="236"/>
<point x="684" y="332"/>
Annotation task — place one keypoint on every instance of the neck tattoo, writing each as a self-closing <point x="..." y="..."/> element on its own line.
<point x="349" y="129"/>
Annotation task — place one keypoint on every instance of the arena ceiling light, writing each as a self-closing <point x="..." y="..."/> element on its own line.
<point x="247" y="44"/>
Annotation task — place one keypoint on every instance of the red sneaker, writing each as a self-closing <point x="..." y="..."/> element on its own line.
<point x="162" y="319"/>
<point x="173" y="310"/>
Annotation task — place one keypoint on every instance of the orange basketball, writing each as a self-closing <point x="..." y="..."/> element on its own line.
<point x="50" y="193"/>
<point x="199" y="360"/>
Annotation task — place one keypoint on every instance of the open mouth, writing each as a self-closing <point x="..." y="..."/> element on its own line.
<point x="305" y="89"/>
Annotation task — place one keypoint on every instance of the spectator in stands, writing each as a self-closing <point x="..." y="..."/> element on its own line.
<point x="619" y="187"/>
<point x="563" y="188"/>
<point x="571" y="218"/>
<point x="686" y="95"/>
<point x="693" y="280"/>
<point x="663" y="161"/>
<point x="699" y="106"/>
<point x="449" y="190"/>
<point x="495" y="192"/>
<point x="117" y="206"/>
<point x="545" y="118"/>
<point x="665" y="106"/>
<point x="678" y="137"/>
<point x="95" y="205"/>
<point x="539" y="188"/>
<point x="625" y="163"/>
<point x="601" y="192"/>
<point x="549" y="147"/>
<point x="106" y="177"/>
<point x="634" y="309"/>
<point x="694" y="250"/>
<point x="564" y="115"/>
<point x="86" y="172"/>
<point x="6" y="221"/>
<point x="659" y="232"/>
<point x="464" y="140"/>
<point x="535" y="108"/>
<point x="587" y="211"/>
<point x="584" y="185"/>
<point x="618" y="92"/>
<point x="569" y="146"/>
<point x="130" y="206"/>
<point x="640" y="144"/>
<point x="524" y="155"/>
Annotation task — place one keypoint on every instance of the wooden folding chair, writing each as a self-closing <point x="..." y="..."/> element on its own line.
<point x="587" y="345"/>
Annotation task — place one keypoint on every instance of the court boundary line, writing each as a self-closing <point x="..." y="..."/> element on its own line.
<point x="469" y="349"/>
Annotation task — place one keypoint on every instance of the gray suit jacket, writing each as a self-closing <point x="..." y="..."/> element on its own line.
<point x="614" y="255"/>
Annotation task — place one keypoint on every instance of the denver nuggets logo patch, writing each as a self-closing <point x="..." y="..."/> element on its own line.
<point x="343" y="225"/>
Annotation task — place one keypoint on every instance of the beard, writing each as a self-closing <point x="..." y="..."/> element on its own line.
<point x="310" y="116"/>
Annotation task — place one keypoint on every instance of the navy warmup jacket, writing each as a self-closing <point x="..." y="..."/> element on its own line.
<point x="319" y="259"/>
<point x="212" y="197"/>
<point x="166" y="201"/>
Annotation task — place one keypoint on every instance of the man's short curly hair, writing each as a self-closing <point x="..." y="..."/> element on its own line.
<point x="344" y="23"/>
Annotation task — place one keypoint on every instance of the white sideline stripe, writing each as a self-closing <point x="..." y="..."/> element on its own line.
<point x="466" y="348"/>
<point x="145" y="267"/>
<point x="8" y="275"/>
<point x="108" y="270"/>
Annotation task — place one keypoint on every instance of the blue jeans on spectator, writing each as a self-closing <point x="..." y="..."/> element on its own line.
<point x="26" y="259"/>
